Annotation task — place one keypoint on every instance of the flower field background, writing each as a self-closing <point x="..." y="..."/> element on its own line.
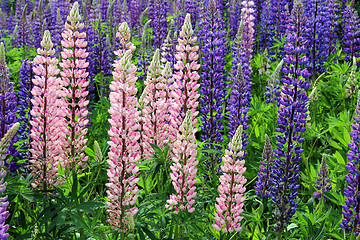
<point x="187" y="119"/>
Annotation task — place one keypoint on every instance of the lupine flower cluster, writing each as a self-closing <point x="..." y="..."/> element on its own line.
<point x="263" y="183"/>
<point x="24" y="93"/>
<point x="184" y="167"/>
<point x="267" y="25"/>
<point x="212" y="39"/>
<point x="273" y="88"/>
<point x="230" y="202"/>
<point x="8" y="102"/>
<point x="74" y="91"/>
<point x="351" y="40"/>
<point x="156" y="107"/>
<point x="322" y="26"/>
<point x="124" y="148"/>
<point x="239" y="104"/>
<point x="5" y="142"/>
<point x="46" y="119"/>
<point x="248" y="32"/>
<point x="351" y="209"/>
<point x="234" y="18"/>
<point x="351" y="86"/>
<point x="159" y="10"/>
<point x="184" y="89"/>
<point x="292" y="120"/>
<point x="241" y="85"/>
<point x="323" y="182"/>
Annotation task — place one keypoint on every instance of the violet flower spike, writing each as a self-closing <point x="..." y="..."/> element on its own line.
<point x="292" y="122"/>
<point x="351" y="209"/>
<point x="5" y="141"/>
<point x="213" y="47"/>
<point x="8" y="102"/>
<point x="25" y="106"/>
<point x="263" y="183"/>
<point x="323" y="181"/>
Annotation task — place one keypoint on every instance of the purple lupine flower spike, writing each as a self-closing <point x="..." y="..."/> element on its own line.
<point x="5" y="142"/>
<point x="212" y="38"/>
<point x="24" y="103"/>
<point x="262" y="184"/>
<point x="24" y="38"/>
<point x="241" y="90"/>
<point x="292" y="122"/>
<point x="7" y="102"/>
<point x="239" y="105"/>
<point x="351" y="209"/>
<point x="159" y="10"/>
<point x="144" y="54"/>
<point x="266" y="22"/>
<point x="273" y="89"/>
<point x="351" y="39"/>
<point x="323" y="181"/>
<point x="322" y="23"/>
<point x="234" y="18"/>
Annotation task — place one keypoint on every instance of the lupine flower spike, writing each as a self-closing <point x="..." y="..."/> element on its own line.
<point x="156" y="106"/>
<point x="213" y="47"/>
<point x="124" y="146"/>
<point x="352" y="85"/>
<point x="25" y="106"/>
<point x="184" y="89"/>
<point x="292" y="122"/>
<point x="351" y="209"/>
<point x="262" y="184"/>
<point x="167" y="74"/>
<point x="7" y="102"/>
<point x="184" y="168"/>
<point x="141" y="107"/>
<point x="230" y="204"/>
<point x="124" y="35"/>
<point x="273" y="88"/>
<point x="46" y="117"/>
<point x="74" y="84"/>
<point x="323" y="182"/>
<point x="4" y="145"/>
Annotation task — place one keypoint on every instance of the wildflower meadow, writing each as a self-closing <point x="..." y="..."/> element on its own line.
<point x="179" y="119"/>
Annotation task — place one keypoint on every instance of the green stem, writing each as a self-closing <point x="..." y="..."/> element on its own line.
<point x="308" y="168"/>
<point x="253" y="231"/>
<point x="144" y="183"/>
<point x="12" y="215"/>
<point x="274" y="117"/>
<point x="171" y="232"/>
<point x="92" y="181"/>
<point x="176" y="232"/>
<point x="46" y="223"/>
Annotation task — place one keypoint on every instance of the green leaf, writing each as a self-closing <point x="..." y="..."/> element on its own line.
<point x="79" y="222"/>
<point x="150" y="234"/>
<point x="339" y="158"/>
<point x="89" y="207"/>
<point x="90" y="152"/>
<point x="335" y="145"/>
<point x="310" y="205"/>
<point x="331" y="198"/>
<point x="257" y="132"/>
